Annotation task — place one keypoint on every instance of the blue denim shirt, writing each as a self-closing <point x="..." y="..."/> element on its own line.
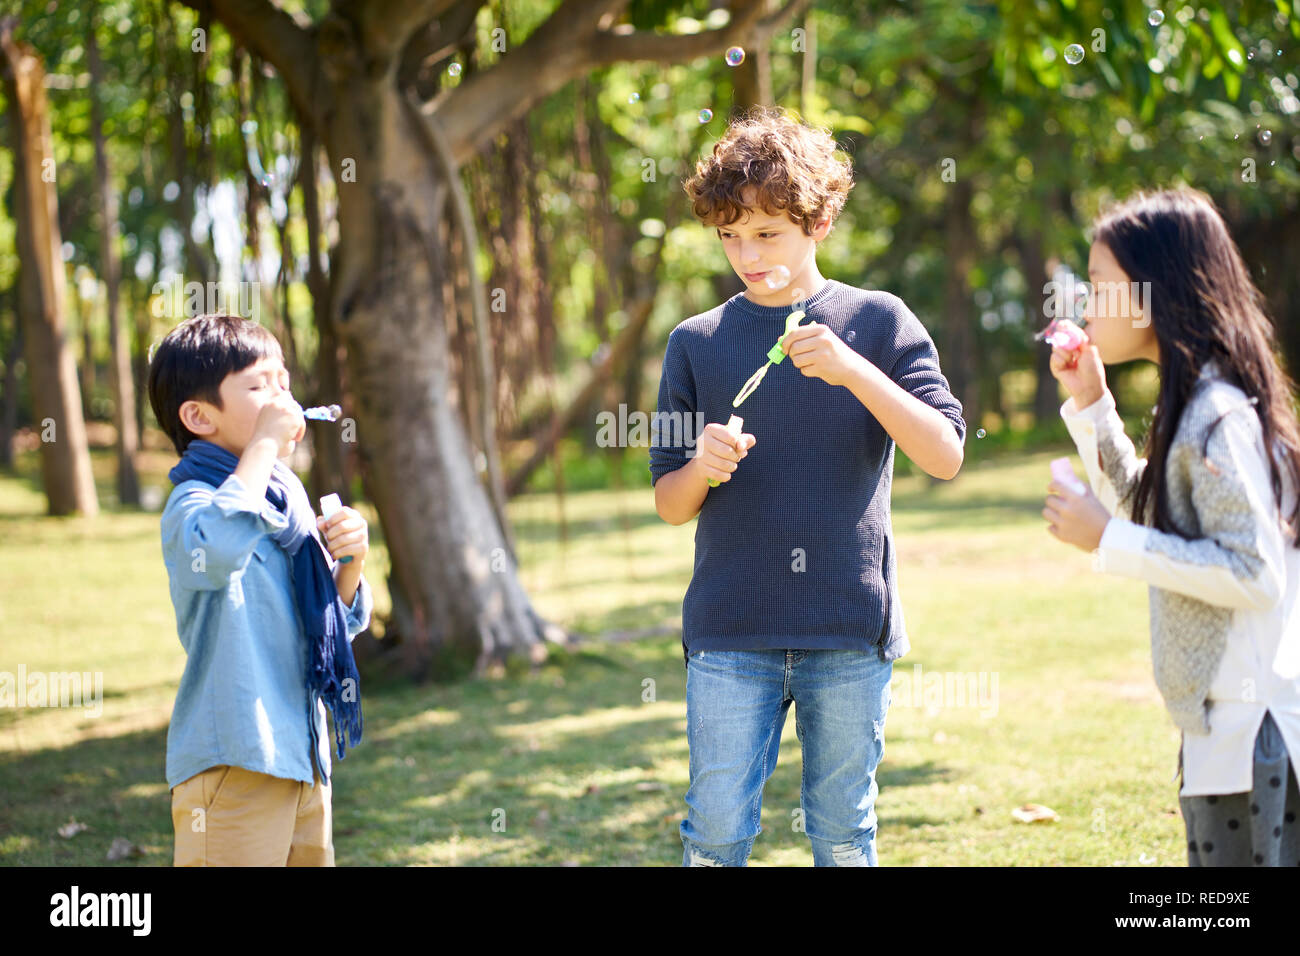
<point x="242" y="700"/>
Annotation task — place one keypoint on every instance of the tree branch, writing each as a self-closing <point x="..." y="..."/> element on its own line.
<point x="386" y="26"/>
<point x="622" y="46"/>
<point x="436" y="41"/>
<point x="283" y="40"/>
<point x="578" y="37"/>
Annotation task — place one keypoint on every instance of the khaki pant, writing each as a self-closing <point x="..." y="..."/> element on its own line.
<point x="229" y="816"/>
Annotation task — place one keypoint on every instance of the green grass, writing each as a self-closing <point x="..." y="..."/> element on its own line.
<point x="570" y="758"/>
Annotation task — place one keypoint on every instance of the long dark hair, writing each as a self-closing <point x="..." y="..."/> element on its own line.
<point x="1203" y="307"/>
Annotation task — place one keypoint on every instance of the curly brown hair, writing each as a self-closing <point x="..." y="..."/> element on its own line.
<point x="790" y="164"/>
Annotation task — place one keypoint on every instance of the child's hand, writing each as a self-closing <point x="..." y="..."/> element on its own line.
<point x="346" y="534"/>
<point x="1077" y="519"/>
<point x="281" y="421"/>
<point x="820" y="353"/>
<point x="718" y="451"/>
<point x="1082" y="374"/>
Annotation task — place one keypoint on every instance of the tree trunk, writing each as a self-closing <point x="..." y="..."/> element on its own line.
<point x="142" y="329"/>
<point x="196" y="261"/>
<point x="958" y="358"/>
<point x="808" y="66"/>
<point x="85" y="316"/>
<point x="1033" y="266"/>
<point x="119" y="367"/>
<point x="458" y="603"/>
<point x="9" y="421"/>
<point x="56" y="399"/>
<point x="327" y="471"/>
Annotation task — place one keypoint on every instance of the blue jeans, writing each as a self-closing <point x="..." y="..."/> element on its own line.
<point x="736" y="702"/>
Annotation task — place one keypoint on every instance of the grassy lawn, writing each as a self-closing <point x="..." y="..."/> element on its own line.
<point x="570" y="762"/>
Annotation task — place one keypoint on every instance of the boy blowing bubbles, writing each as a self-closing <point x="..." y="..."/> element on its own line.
<point x="265" y="616"/>
<point x="794" y="594"/>
<point x="258" y="420"/>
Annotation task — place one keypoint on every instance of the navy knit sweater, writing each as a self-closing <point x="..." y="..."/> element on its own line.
<point x="796" y="550"/>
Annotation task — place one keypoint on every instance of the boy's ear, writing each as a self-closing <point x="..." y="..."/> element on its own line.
<point x="822" y="229"/>
<point x="195" y="418"/>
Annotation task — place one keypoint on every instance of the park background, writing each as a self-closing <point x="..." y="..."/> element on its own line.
<point x="465" y="222"/>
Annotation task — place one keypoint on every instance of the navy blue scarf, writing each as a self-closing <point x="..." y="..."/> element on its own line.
<point x="331" y="669"/>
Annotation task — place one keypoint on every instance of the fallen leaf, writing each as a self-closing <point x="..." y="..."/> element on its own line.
<point x="121" y="848"/>
<point x="1034" y="813"/>
<point x="71" y="829"/>
<point x="648" y="786"/>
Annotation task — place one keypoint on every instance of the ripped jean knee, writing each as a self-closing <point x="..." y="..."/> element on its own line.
<point x="730" y="854"/>
<point x="858" y="851"/>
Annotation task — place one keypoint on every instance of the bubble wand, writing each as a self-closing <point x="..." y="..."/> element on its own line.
<point x="323" y="413"/>
<point x="775" y="356"/>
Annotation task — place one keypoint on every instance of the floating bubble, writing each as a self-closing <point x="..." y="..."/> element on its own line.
<point x="1156" y="17"/>
<point x="735" y="56"/>
<point x="1266" y="136"/>
<point x="454" y="69"/>
<point x="980" y="433"/>
<point x="706" y="114"/>
<point x="777" y="277"/>
<point x="1074" y="54"/>
<point x="634" y="98"/>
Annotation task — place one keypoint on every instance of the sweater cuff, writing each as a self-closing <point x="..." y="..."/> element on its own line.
<point x="1121" y="549"/>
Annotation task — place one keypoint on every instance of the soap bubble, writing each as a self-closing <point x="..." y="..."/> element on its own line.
<point x="1266" y="136"/>
<point x="454" y="69"/>
<point x="634" y="98"/>
<point x="1156" y="17"/>
<point x="980" y="433"/>
<point x="1074" y="54"/>
<point x="706" y="114"/>
<point x="735" y="56"/>
<point x="777" y="278"/>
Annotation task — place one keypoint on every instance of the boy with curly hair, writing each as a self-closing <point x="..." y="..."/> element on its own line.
<point x="793" y="598"/>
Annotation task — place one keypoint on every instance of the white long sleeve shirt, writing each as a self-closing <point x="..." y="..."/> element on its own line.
<point x="1259" y="670"/>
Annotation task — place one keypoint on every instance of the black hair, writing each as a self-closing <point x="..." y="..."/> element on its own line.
<point x="1203" y="307"/>
<point x="194" y="359"/>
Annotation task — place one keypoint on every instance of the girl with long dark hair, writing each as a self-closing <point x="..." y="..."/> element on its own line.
<point x="1208" y="517"/>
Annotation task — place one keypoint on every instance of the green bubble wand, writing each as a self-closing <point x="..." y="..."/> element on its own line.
<point x="775" y="356"/>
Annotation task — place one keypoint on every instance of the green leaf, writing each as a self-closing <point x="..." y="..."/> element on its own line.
<point x="1227" y="41"/>
<point x="1232" y="85"/>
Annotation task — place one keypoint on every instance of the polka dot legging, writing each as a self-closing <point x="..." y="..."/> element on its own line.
<point x="1257" y="828"/>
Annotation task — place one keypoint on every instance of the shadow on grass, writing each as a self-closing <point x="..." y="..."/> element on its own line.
<point x="572" y="763"/>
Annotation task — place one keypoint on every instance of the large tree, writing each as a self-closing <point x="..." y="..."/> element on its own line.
<point x="360" y="78"/>
<point x="56" y="395"/>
